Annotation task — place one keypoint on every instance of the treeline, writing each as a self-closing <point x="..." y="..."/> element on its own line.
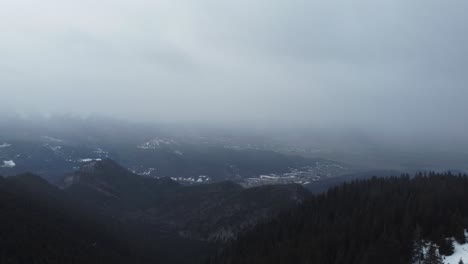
<point x="110" y="215"/>
<point x="366" y="221"/>
<point x="41" y="224"/>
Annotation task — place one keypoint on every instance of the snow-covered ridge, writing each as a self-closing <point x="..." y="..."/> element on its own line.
<point x="8" y="164"/>
<point x="5" y="145"/>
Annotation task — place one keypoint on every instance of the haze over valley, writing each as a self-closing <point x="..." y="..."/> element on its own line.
<point x="237" y="132"/>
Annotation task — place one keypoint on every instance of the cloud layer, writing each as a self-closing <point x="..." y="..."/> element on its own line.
<point x="367" y="63"/>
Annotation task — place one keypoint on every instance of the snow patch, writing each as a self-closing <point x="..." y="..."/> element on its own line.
<point x="101" y="153"/>
<point x="199" y="179"/>
<point x="88" y="160"/>
<point x="5" y="145"/>
<point x="156" y="143"/>
<point x="52" y="139"/>
<point x="142" y="171"/>
<point x="8" y="164"/>
<point x="302" y="175"/>
<point x="147" y="172"/>
<point x="53" y="148"/>
<point x="460" y="252"/>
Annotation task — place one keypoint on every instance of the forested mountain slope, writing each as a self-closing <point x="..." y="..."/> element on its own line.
<point x="366" y="221"/>
<point x="209" y="212"/>
<point x="107" y="214"/>
<point x="41" y="224"/>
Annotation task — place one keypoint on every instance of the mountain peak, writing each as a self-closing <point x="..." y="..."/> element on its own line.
<point x="102" y="165"/>
<point x="111" y="180"/>
<point x="99" y="170"/>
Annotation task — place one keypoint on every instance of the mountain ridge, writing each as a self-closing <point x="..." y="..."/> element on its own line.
<point x="200" y="211"/>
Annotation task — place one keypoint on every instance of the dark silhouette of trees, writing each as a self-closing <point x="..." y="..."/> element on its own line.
<point x="418" y="247"/>
<point x="432" y="256"/>
<point x="379" y="220"/>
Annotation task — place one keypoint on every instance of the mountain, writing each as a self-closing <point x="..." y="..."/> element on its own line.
<point x="325" y="184"/>
<point x="378" y="220"/>
<point x="52" y="147"/>
<point x="221" y="211"/>
<point x="107" y="214"/>
<point x="210" y="212"/>
<point x="42" y="224"/>
<point x="107" y="182"/>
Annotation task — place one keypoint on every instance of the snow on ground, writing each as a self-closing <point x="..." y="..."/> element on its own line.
<point x="53" y="147"/>
<point x="304" y="175"/>
<point x="199" y="179"/>
<point x="156" y="143"/>
<point x="143" y="171"/>
<point x="8" y="164"/>
<point x="5" y="145"/>
<point x="88" y="160"/>
<point x="101" y="153"/>
<point x="147" y="172"/>
<point x="461" y="251"/>
<point x="51" y="139"/>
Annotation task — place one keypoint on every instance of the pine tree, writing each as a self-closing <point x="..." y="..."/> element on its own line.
<point x="446" y="247"/>
<point x="461" y="261"/>
<point x="432" y="256"/>
<point x="460" y="235"/>
<point x="418" y="246"/>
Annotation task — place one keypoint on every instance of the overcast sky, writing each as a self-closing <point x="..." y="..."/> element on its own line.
<point x="385" y="63"/>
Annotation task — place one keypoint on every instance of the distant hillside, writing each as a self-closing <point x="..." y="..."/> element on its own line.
<point x="107" y="214"/>
<point x="210" y="212"/>
<point x="52" y="147"/>
<point x="187" y="163"/>
<point x="41" y="224"/>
